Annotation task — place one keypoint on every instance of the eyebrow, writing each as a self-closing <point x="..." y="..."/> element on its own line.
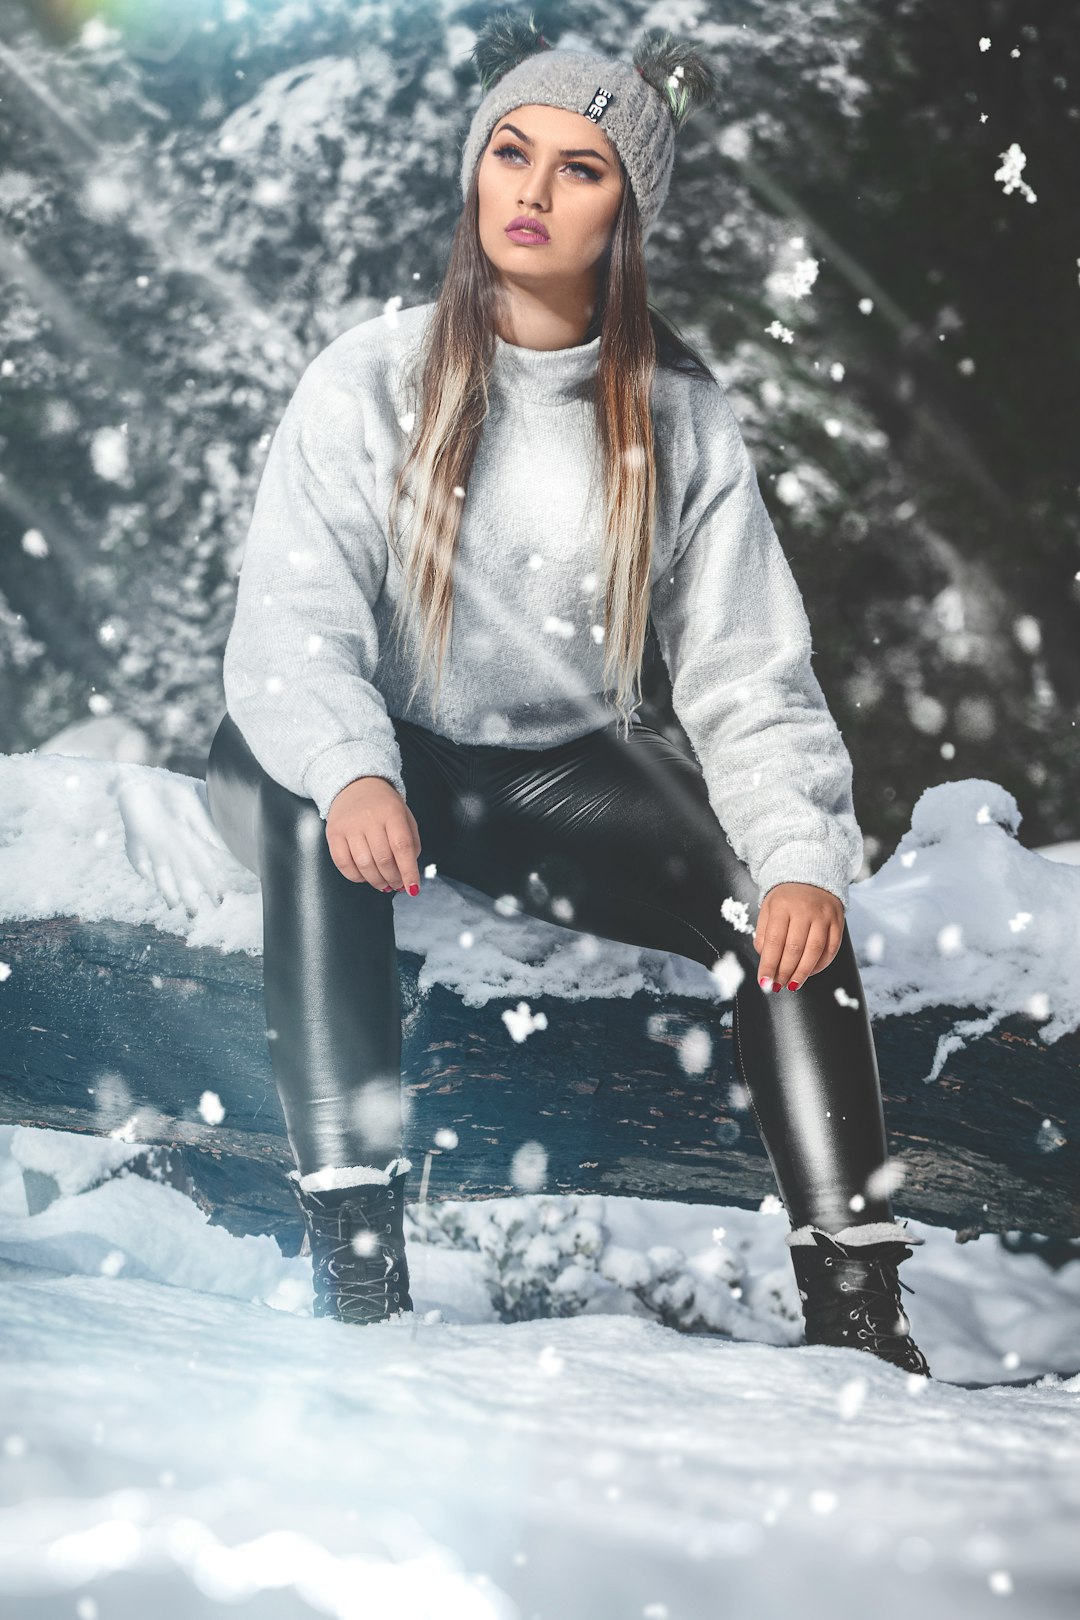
<point x="575" y="151"/>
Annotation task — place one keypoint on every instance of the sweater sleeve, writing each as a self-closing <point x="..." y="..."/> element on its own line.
<point x="736" y="639"/>
<point x="303" y="646"/>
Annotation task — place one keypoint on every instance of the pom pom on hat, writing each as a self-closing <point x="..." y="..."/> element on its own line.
<point x="505" y="40"/>
<point x="639" y="105"/>
<point x="677" y="71"/>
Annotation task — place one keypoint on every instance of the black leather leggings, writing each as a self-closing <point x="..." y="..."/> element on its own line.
<point x="619" y="827"/>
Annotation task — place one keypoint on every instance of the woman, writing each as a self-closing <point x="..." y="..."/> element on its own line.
<point x="570" y="468"/>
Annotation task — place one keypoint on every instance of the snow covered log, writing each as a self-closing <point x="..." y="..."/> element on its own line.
<point x="123" y="1030"/>
<point x="535" y="1058"/>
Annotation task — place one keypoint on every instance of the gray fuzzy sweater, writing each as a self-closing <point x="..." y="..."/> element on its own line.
<point x="309" y="672"/>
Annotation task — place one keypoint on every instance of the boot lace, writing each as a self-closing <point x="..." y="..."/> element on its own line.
<point x="361" y="1285"/>
<point x="875" y="1307"/>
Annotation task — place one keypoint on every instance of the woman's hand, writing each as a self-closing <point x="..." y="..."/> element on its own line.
<point x="373" y="836"/>
<point x="170" y="839"/>
<point x="799" y="929"/>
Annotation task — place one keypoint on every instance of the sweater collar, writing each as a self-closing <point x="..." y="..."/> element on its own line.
<point x="545" y="376"/>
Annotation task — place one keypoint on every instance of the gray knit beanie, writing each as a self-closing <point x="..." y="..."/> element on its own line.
<point x="638" y="104"/>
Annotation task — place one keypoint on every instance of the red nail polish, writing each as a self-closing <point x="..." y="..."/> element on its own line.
<point x="793" y="985"/>
<point x="776" y="986"/>
<point x="414" y="888"/>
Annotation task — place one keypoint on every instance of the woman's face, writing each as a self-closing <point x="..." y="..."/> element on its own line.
<point x="557" y="168"/>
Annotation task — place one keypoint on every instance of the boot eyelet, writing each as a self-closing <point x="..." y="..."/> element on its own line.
<point x="852" y="1316"/>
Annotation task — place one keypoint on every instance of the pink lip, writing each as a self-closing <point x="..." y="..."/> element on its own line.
<point x="528" y="231"/>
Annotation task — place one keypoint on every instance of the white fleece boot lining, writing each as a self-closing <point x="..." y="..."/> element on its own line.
<point x="870" y="1232"/>
<point x="354" y="1175"/>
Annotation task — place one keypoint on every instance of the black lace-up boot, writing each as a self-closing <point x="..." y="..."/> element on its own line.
<point x="359" y="1270"/>
<point x="851" y="1292"/>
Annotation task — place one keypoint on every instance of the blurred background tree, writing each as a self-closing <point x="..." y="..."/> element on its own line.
<point x="871" y="236"/>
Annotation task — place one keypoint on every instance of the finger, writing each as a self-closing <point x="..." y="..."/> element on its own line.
<point x="197" y="818"/>
<point x="383" y="857"/>
<point x="207" y="869"/>
<point x="138" y="853"/>
<point x="193" y="893"/>
<point x="198" y="880"/>
<point x="773" y="943"/>
<point x="343" y="857"/>
<point x="405" y="845"/>
<point x="208" y="834"/>
<point x="794" y="947"/>
<point x="163" y="877"/>
<point x="836" y="935"/>
<point x="378" y="864"/>
<point x="814" y="954"/>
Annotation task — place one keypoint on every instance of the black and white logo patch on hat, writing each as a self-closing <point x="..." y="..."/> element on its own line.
<point x="598" y="105"/>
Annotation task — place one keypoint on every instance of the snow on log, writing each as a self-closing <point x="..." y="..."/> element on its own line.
<point x="131" y="1006"/>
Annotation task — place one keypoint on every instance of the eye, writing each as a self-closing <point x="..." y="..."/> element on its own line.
<point x="502" y="151"/>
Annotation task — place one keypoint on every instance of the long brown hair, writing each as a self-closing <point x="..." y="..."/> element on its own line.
<point x="453" y="367"/>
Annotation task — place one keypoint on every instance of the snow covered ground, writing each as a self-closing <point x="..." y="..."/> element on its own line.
<point x="179" y="1436"/>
